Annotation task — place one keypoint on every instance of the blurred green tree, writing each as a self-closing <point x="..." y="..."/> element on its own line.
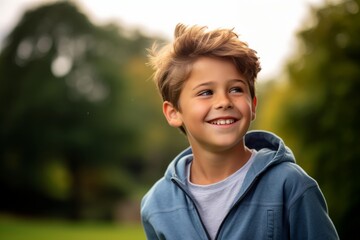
<point x="316" y="109"/>
<point x="66" y="143"/>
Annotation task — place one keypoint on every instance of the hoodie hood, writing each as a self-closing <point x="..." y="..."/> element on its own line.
<point x="271" y="151"/>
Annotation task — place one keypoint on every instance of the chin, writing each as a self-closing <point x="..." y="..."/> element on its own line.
<point x="227" y="145"/>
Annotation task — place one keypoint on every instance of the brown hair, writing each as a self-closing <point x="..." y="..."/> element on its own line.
<point x="173" y="62"/>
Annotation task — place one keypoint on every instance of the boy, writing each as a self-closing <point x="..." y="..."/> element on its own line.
<point x="230" y="183"/>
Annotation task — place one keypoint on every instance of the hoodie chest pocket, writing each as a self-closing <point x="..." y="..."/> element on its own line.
<point x="270" y="224"/>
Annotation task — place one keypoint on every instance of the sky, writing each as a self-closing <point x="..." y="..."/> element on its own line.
<point x="268" y="26"/>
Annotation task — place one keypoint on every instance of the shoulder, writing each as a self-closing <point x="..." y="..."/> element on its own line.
<point x="294" y="182"/>
<point x="154" y="193"/>
<point x="294" y="174"/>
<point x="279" y="166"/>
<point x="164" y="196"/>
<point x="291" y="175"/>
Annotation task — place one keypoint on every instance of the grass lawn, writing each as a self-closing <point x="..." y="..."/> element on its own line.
<point x="20" y="229"/>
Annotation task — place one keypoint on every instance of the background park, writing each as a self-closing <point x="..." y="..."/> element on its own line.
<point x="82" y="136"/>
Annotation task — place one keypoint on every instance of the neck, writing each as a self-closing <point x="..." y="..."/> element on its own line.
<point x="211" y="167"/>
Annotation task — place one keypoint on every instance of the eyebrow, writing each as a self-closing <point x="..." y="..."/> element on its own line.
<point x="212" y="83"/>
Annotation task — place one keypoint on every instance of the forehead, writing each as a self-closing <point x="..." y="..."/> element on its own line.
<point x="213" y="70"/>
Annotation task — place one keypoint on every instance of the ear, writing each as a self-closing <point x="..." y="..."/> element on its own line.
<point x="172" y="115"/>
<point x="253" y="108"/>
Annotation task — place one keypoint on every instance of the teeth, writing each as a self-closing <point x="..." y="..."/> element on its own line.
<point x="223" y="121"/>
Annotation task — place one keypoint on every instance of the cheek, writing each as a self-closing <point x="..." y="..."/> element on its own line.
<point x="194" y="110"/>
<point x="199" y="108"/>
<point x="246" y="106"/>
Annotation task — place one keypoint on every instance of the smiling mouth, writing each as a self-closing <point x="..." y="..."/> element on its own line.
<point x="222" y="121"/>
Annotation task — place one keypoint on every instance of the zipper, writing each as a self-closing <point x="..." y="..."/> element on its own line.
<point x="235" y="204"/>
<point x="177" y="183"/>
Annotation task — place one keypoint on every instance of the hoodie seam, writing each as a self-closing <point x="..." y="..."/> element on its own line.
<point x="306" y="189"/>
<point x="150" y="215"/>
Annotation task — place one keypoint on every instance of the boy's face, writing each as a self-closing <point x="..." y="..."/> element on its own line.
<point x="216" y="107"/>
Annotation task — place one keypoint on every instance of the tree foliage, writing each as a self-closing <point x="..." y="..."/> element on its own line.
<point x="74" y="109"/>
<point x="316" y="109"/>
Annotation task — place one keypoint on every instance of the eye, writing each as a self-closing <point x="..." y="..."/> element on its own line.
<point x="236" y="90"/>
<point x="205" y="93"/>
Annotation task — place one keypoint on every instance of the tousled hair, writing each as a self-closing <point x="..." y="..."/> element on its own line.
<point x="172" y="63"/>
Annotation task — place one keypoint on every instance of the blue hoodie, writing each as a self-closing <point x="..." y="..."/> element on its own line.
<point x="278" y="200"/>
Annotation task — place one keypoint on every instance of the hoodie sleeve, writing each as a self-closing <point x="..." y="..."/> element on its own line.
<point x="149" y="230"/>
<point x="144" y="212"/>
<point x="309" y="219"/>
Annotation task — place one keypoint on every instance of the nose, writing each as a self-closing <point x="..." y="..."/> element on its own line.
<point x="223" y="101"/>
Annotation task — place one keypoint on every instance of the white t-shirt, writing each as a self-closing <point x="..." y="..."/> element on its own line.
<point x="215" y="200"/>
